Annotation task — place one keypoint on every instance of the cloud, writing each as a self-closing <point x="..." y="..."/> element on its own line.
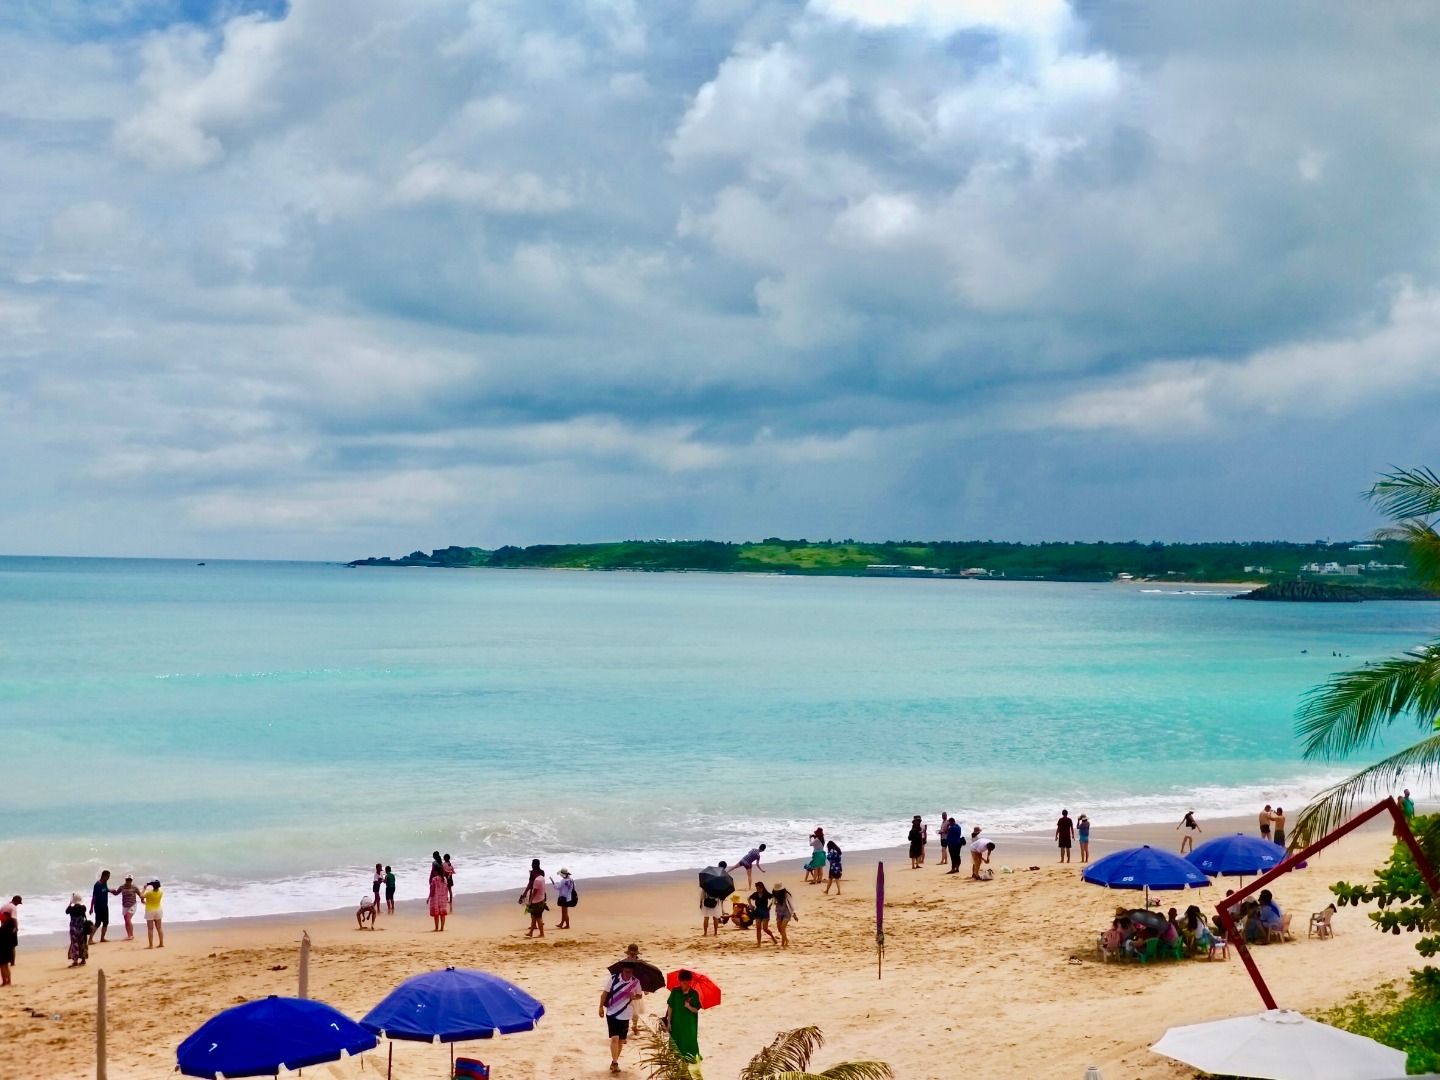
<point x="274" y="276"/>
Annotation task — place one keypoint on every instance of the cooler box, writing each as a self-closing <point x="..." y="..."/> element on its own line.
<point x="471" y="1069"/>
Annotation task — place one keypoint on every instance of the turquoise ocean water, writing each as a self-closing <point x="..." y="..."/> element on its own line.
<point x="258" y="734"/>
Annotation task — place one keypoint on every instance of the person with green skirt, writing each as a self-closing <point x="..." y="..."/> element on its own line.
<point x="682" y="1016"/>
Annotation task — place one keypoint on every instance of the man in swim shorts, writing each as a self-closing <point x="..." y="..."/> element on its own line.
<point x="1064" y="832"/>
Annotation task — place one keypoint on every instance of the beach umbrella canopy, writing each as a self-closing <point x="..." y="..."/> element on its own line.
<point x="453" y="1005"/>
<point x="650" y="977"/>
<point x="262" y="1037"/>
<point x="709" y="992"/>
<point x="1144" y="868"/>
<point x="1280" y="1045"/>
<point x="716" y="883"/>
<point x="1237" y="855"/>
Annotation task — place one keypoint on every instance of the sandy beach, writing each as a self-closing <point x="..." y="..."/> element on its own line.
<point x="989" y="979"/>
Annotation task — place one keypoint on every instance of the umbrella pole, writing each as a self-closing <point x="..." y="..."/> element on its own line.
<point x="389" y="1060"/>
<point x="305" y="964"/>
<point x="100" y="1064"/>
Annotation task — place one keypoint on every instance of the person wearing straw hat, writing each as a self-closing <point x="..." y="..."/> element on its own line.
<point x="565" y="897"/>
<point x="79" y="950"/>
<point x="617" y="1007"/>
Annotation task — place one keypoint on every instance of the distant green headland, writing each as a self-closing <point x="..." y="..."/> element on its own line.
<point x="1372" y="568"/>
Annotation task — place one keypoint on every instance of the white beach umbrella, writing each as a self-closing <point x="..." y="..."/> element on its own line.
<point x="1280" y="1045"/>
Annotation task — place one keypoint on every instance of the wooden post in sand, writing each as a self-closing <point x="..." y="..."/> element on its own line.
<point x="304" y="963"/>
<point x="100" y="1025"/>
<point x="880" y="920"/>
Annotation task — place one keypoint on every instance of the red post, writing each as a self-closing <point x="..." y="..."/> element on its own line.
<point x="1402" y="830"/>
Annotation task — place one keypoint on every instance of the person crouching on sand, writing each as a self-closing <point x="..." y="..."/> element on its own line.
<point x="979" y="854"/>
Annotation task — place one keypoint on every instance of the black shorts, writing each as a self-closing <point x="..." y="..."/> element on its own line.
<point x="102" y="917"/>
<point x="1064" y="841"/>
<point x="619" y="1029"/>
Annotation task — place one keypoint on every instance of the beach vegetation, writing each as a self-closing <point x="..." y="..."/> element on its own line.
<point x="1409" y="1022"/>
<point x="1355" y="709"/>
<point x="787" y="1057"/>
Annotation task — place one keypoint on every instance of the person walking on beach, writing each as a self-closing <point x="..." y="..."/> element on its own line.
<point x="815" y="868"/>
<point x="100" y="894"/>
<point x="1187" y="842"/>
<point x="1280" y="825"/>
<point x="682" y="1016"/>
<point x="389" y="891"/>
<point x="632" y="953"/>
<point x="617" y="1006"/>
<point x="1267" y="818"/>
<point x="1064" y="833"/>
<point x="916" y="836"/>
<point x="534" y="900"/>
<point x="79" y="950"/>
<point x="376" y="884"/>
<point x="129" y="894"/>
<point x="9" y="939"/>
<point x="944" y="837"/>
<point x="833" y="859"/>
<point x="154" y="913"/>
<point x="564" y="898"/>
<point x="1407" y="805"/>
<point x="751" y="863"/>
<point x="784" y="911"/>
<point x="954" y="843"/>
<point x="1082" y="832"/>
<point x="760" y="911"/>
<point x="439" y="895"/>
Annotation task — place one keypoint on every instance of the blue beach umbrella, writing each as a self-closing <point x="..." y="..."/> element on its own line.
<point x="262" y="1037"/>
<point x="453" y="1005"/>
<point x="1238" y="855"/>
<point x="1144" y="868"/>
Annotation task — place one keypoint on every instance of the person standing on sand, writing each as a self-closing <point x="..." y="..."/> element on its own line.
<point x="154" y="913"/>
<point x="1407" y="805"/>
<point x="712" y="909"/>
<point x="79" y="950"/>
<point x="834" y="860"/>
<point x="751" y="863"/>
<point x="100" y="894"/>
<point x="376" y="884"/>
<point x="129" y="894"/>
<point x="682" y="1015"/>
<point x="1187" y="842"/>
<point x="916" y="836"/>
<point x="564" y="898"/>
<point x="449" y="868"/>
<point x="1082" y="833"/>
<point x="760" y="911"/>
<point x="439" y="894"/>
<point x="944" y="837"/>
<point x="617" y="1006"/>
<point x="815" y="868"/>
<point x="1280" y="825"/>
<point x="534" y="900"/>
<point x="954" y="841"/>
<point x="1064" y="833"/>
<point x="9" y="939"/>
<point x="389" y="891"/>
<point x="1267" y="818"/>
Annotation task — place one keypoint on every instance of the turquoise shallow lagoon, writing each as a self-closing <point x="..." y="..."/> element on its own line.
<point x="258" y="734"/>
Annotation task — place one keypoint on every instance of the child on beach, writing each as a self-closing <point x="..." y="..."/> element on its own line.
<point x="439" y="896"/>
<point x="833" y="856"/>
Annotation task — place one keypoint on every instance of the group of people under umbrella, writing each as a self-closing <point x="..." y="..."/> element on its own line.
<point x="262" y="1037"/>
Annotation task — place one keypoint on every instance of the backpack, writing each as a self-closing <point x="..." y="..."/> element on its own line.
<point x="711" y="902"/>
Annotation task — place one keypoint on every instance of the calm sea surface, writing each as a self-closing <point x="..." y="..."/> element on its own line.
<point x="258" y="734"/>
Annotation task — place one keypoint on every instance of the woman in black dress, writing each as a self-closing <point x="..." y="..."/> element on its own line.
<point x="9" y="938"/>
<point x="917" y="843"/>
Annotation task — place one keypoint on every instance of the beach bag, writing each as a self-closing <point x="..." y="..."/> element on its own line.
<point x="574" y="900"/>
<point x="987" y="874"/>
<point x="711" y="902"/>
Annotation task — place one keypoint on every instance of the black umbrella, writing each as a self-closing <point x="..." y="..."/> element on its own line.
<point x="716" y="883"/>
<point x="1152" y="919"/>
<point x="650" y="977"/>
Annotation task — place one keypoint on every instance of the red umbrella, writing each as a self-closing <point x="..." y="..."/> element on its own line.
<point x="701" y="983"/>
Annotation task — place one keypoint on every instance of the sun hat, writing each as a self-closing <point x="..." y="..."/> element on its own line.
<point x="564" y="872"/>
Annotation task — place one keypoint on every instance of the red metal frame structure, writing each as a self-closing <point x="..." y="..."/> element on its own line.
<point x="1402" y="831"/>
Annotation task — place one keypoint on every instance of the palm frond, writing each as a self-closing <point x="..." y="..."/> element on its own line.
<point x="1424" y="544"/>
<point x="1334" y="805"/>
<point x="846" y="1070"/>
<point x="789" y="1052"/>
<point x="1350" y="710"/>
<point x="1407" y="493"/>
<point x="659" y="1058"/>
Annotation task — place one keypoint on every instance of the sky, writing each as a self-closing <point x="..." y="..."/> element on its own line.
<point x="336" y="278"/>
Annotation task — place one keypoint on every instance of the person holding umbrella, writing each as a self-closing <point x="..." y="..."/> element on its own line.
<point x="715" y="885"/>
<point x="650" y="977"/>
<point x="617" y="1006"/>
<point x="682" y="1017"/>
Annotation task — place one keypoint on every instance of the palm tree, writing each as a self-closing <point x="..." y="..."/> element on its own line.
<point x="786" y="1058"/>
<point x="1354" y="708"/>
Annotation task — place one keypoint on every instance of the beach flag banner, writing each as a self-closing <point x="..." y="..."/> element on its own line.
<point x="880" y="920"/>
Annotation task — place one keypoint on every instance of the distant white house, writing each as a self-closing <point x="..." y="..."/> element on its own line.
<point x="1258" y="570"/>
<point x="1365" y="547"/>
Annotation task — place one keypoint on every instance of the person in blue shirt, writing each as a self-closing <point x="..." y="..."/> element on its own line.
<point x="955" y="842"/>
